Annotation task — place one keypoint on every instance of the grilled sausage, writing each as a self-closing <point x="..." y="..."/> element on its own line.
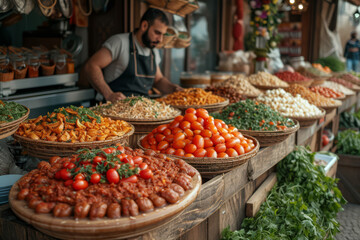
<point x="129" y="207"/>
<point x="157" y="200"/>
<point x="114" y="210"/>
<point x="23" y="193"/>
<point x="62" y="210"/>
<point x="98" y="210"/>
<point x="184" y="181"/>
<point x="45" y="207"/>
<point x="81" y="210"/>
<point x="34" y="202"/>
<point x="177" y="188"/>
<point x="170" y="195"/>
<point x="145" y="205"/>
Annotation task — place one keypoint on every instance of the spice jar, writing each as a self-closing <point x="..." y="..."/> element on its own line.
<point x="60" y="64"/>
<point x="19" y="66"/>
<point x="33" y="63"/>
<point x="70" y="65"/>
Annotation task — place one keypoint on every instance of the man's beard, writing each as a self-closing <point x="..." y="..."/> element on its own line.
<point x="146" y="40"/>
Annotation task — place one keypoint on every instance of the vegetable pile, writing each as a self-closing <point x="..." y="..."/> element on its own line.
<point x="338" y="87"/>
<point x="303" y="204"/>
<point x="350" y="78"/>
<point x="289" y="106"/>
<point x="312" y="97"/>
<point x="191" y="96"/>
<point x="196" y="134"/>
<point x="349" y="120"/>
<point x="327" y="92"/>
<point x="325" y="69"/>
<point x="227" y="92"/>
<point x="240" y="84"/>
<point x="333" y="63"/>
<point x="266" y="79"/>
<point x="137" y="108"/>
<point x="10" y="111"/>
<point x="72" y="124"/>
<point x="312" y="72"/>
<point x="342" y="82"/>
<point x="291" y="77"/>
<point x="348" y="142"/>
<point x="251" y="115"/>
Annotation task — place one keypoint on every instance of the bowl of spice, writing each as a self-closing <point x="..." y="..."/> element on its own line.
<point x="266" y="81"/>
<point x="294" y="77"/>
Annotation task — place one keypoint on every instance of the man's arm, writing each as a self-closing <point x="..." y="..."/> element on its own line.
<point x="163" y="84"/>
<point x="93" y="70"/>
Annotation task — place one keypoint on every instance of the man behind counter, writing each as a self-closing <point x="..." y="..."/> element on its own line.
<point x="128" y="63"/>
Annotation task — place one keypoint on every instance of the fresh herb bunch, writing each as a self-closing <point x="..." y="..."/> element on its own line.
<point x="133" y="100"/>
<point x="251" y="115"/>
<point x="10" y="111"/>
<point x="302" y="205"/>
<point x="73" y="113"/>
<point x="349" y="120"/>
<point x="348" y="142"/>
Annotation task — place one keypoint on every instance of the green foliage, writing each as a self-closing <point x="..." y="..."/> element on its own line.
<point x="10" y="111"/>
<point x="348" y="142"/>
<point x="333" y="63"/>
<point x="81" y="113"/>
<point x="302" y="205"/>
<point x="349" y="120"/>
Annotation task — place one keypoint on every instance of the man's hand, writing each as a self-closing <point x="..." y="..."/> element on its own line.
<point x="115" y="96"/>
<point x="177" y="88"/>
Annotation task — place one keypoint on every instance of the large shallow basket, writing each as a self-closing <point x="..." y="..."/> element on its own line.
<point x="308" y="121"/>
<point x="210" y="107"/>
<point x="268" y="138"/>
<point x="318" y="81"/>
<point x="142" y="126"/>
<point x="266" y="87"/>
<point x="46" y="149"/>
<point x="303" y="83"/>
<point x="104" y="228"/>
<point x="332" y="107"/>
<point x="8" y="129"/>
<point x="209" y="167"/>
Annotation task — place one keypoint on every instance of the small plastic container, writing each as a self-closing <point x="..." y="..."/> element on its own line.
<point x="33" y="63"/>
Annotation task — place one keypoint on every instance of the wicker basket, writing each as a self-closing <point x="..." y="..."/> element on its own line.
<point x="318" y="81"/>
<point x="8" y="129"/>
<point x="187" y="8"/>
<point x="303" y="83"/>
<point x="6" y="76"/>
<point x="266" y="87"/>
<point x="158" y="3"/>
<point x="167" y="39"/>
<point x="308" y="121"/>
<point x="209" y="167"/>
<point x="20" y="73"/>
<point x="268" y="138"/>
<point x="210" y="107"/>
<point x="328" y="109"/>
<point x="47" y="70"/>
<point x="46" y="149"/>
<point x="142" y="126"/>
<point x="182" y="42"/>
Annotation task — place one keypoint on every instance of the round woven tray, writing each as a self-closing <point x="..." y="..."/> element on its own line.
<point x="143" y="120"/>
<point x="318" y="81"/>
<point x="268" y="138"/>
<point x="303" y="83"/>
<point x="209" y="167"/>
<point x="46" y="149"/>
<point x="267" y="87"/>
<point x="8" y="129"/>
<point x="308" y="121"/>
<point x="328" y="109"/>
<point x="355" y="88"/>
<point x="103" y="228"/>
<point x="210" y="107"/>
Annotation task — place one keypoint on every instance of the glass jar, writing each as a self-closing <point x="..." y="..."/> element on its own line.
<point x="60" y="64"/>
<point x="195" y="80"/>
<point x="70" y="65"/>
<point x="4" y="63"/>
<point x="33" y="63"/>
<point x="18" y="64"/>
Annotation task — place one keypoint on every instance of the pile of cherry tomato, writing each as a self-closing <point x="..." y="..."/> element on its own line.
<point x="109" y="165"/>
<point x="196" y="134"/>
<point x="326" y="92"/>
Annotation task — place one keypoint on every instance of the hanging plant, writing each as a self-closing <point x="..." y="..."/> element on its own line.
<point x="264" y="21"/>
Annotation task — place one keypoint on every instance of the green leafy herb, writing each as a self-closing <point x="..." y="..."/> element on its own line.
<point x="348" y="142"/>
<point x="10" y="111"/>
<point x="73" y="113"/>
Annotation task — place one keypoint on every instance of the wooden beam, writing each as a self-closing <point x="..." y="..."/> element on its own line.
<point x="254" y="203"/>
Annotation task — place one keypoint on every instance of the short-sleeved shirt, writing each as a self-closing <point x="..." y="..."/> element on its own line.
<point x="118" y="45"/>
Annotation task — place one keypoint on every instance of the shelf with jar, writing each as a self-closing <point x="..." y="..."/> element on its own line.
<point x="290" y="34"/>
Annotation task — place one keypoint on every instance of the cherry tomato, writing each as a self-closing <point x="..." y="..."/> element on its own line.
<point x="176" y="130"/>
<point x="221" y="147"/>
<point x="185" y="125"/>
<point x="239" y="149"/>
<point x="143" y="166"/>
<point x="218" y="123"/>
<point x="146" y="173"/>
<point x="212" y="128"/>
<point x="95" y="178"/>
<point x="68" y="182"/>
<point x="232" y="152"/>
<point x="162" y="128"/>
<point x="109" y="150"/>
<point x="65" y="175"/>
<point x="121" y="156"/>
<point x="80" y="184"/>
<point x="226" y="136"/>
<point x="217" y="139"/>
<point x="190" y="117"/>
<point x="202" y="113"/>
<point x="79" y="176"/>
<point x="166" y="132"/>
<point x="190" y="148"/>
<point x="189" y="155"/>
<point x="58" y="175"/>
<point x="201" y="121"/>
<point x="131" y="179"/>
<point x="190" y="110"/>
<point x="112" y="176"/>
<point x="222" y="155"/>
<point x="159" y="137"/>
<point x="128" y="160"/>
<point x="200" y="152"/>
<point x="65" y="164"/>
<point x="120" y="148"/>
<point x="208" y="142"/>
<point x="152" y="141"/>
<point x="187" y="141"/>
<point x="188" y="133"/>
<point x="54" y="160"/>
<point x="196" y="126"/>
<point x="179" y="144"/>
<point x="169" y="138"/>
<point x="209" y="120"/>
<point x="197" y="132"/>
<point x="179" y="136"/>
<point x="179" y="118"/>
<point x="170" y="151"/>
<point x="174" y="124"/>
<point x="198" y="141"/>
<point x="232" y="142"/>
<point x="206" y="133"/>
<point x="211" y="153"/>
<point x="98" y="159"/>
<point x="162" y="145"/>
<point x="137" y="159"/>
<point x="179" y="152"/>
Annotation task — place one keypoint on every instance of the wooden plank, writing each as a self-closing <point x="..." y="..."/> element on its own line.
<point x="269" y="157"/>
<point x="303" y="134"/>
<point x="357" y="107"/>
<point x="347" y="104"/>
<point x="213" y="224"/>
<point x="254" y="203"/>
<point x="262" y="177"/>
<point x="330" y="117"/>
<point x="198" y="232"/>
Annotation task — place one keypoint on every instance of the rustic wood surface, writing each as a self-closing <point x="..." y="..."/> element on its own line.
<point x="348" y="103"/>
<point x="254" y="203"/>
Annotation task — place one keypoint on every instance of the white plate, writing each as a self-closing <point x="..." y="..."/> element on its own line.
<point x="9" y="180"/>
<point x="329" y="159"/>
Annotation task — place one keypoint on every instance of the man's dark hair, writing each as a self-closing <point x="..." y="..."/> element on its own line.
<point x="151" y="14"/>
<point x="353" y="35"/>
